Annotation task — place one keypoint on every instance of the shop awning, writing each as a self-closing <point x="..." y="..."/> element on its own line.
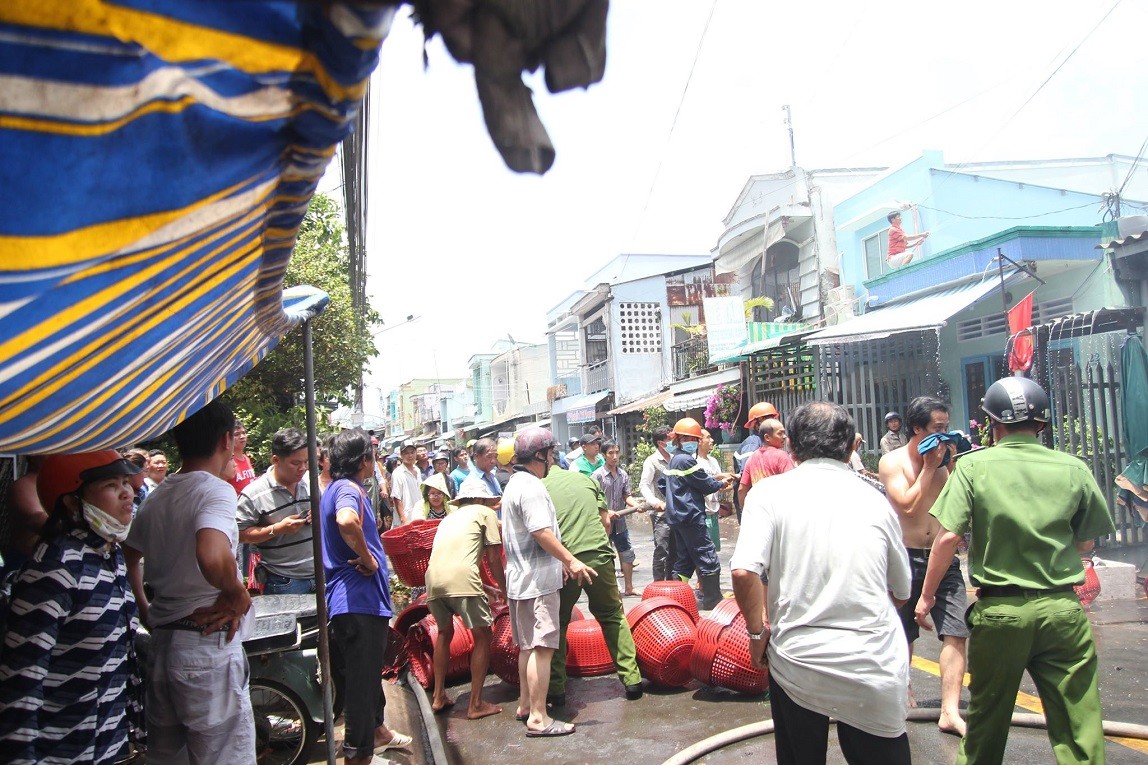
<point x="643" y="403"/>
<point x="692" y="400"/>
<point x="569" y="403"/>
<point x="926" y="312"/>
<point x="763" y="336"/>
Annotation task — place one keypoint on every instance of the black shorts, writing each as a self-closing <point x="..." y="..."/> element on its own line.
<point x="948" y="612"/>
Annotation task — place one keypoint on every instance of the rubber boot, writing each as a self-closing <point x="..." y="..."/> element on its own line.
<point x="711" y="591"/>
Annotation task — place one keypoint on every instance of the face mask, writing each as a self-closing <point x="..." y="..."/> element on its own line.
<point x="690" y="447"/>
<point x="105" y="525"/>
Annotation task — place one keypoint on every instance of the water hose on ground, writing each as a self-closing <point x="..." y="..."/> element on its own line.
<point x="434" y="738"/>
<point x="765" y="727"/>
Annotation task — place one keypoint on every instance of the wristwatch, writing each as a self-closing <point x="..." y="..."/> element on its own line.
<point x="758" y="635"/>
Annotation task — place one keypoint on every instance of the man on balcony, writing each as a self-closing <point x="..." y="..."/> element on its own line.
<point x="902" y="246"/>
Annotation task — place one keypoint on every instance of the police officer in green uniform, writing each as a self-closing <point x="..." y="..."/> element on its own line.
<point x="1032" y="512"/>
<point x="582" y="525"/>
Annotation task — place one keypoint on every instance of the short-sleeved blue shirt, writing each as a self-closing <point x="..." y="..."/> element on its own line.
<point x="348" y="591"/>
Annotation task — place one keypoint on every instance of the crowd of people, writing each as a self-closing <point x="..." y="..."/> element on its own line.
<point x="835" y="576"/>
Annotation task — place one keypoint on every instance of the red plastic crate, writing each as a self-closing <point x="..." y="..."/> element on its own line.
<point x="420" y="651"/>
<point x="664" y="635"/>
<point x="408" y="548"/>
<point x="586" y="651"/>
<point x="721" y="653"/>
<point x="674" y="589"/>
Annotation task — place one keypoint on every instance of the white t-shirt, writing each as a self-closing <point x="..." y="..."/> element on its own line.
<point x="526" y="507"/>
<point x="405" y="486"/>
<point x="164" y="531"/>
<point x="832" y="547"/>
<point x="711" y="466"/>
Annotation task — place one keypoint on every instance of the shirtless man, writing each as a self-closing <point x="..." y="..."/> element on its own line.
<point x="913" y="481"/>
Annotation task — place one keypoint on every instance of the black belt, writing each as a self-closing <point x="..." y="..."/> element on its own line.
<point x="1008" y="590"/>
<point x="187" y="623"/>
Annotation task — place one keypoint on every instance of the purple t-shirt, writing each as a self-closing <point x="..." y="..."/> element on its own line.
<point x="348" y="591"/>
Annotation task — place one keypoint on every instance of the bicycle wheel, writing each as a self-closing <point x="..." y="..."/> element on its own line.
<point x="284" y="732"/>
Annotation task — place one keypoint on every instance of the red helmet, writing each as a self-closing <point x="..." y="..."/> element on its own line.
<point x="687" y="426"/>
<point x="760" y="411"/>
<point x="66" y="473"/>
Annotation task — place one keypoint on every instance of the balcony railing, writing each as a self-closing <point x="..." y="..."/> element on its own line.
<point x="598" y="377"/>
<point x="691" y="358"/>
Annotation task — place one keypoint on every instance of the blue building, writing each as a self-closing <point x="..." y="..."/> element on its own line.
<point x="997" y="231"/>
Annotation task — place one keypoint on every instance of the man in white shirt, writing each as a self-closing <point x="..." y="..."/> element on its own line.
<point x="837" y="570"/>
<point x="198" y="703"/>
<point x="536" y="566"/>
<point x="653" y="469"/>
<point x="405" y="493"/>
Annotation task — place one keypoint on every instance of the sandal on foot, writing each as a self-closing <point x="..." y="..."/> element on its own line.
<point x="555" y="728"/>
<point x="398" y="741"/>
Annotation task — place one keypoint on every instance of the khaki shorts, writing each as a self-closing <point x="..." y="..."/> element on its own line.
<point x="472" y="609"/>
<point x="534" y="622"/>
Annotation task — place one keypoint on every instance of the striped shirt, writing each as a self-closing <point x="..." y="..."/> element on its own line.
<point x="65" y="667"/>
<point x="264" y="502"/>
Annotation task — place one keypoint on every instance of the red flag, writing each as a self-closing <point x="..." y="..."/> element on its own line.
<point x="1020" y="319"/>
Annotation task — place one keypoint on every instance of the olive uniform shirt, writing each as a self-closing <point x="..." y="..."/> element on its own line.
<point x="579" y="500"/>
<point x="1027" y="505"/>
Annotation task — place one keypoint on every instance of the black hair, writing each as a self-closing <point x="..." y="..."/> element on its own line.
<point x="155" y="452"/>
<point x="348" y="450"/>
<point x="460" y="450"/>
<point x="594" y="430"/>
<point x="137" y="457"/>
<point x="919" y="413"/>
<point x="198" y="436"/>
<point x="661" y="434"/>
<point x="608" y="445"/>
<point x="821" y="429"/>
<point x="892" y="215"/>
<point x="482" y="446"/>
<point x="288" y="441"/>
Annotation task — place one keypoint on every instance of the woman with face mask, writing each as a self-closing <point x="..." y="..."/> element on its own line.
<point x="67" y="660"/>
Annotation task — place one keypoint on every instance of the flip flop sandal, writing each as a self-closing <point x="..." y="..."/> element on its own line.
<point x="522" y="718"/>
<point x="398" y="741"/>
<point x="555" y="728"/>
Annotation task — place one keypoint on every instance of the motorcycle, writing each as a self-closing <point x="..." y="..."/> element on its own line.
<point x="286" y="695"/>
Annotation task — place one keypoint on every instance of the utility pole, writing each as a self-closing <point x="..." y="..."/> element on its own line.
<point x="789" y="126"/>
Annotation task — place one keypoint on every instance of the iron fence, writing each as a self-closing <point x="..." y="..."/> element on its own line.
<point x="691" y="358"/>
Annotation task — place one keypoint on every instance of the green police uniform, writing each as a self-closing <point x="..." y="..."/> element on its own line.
<point x="578" y="500"/>
<point x="1027" y="506"/>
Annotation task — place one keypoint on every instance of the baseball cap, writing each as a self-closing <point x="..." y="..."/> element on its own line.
<point x="589" y="438"/>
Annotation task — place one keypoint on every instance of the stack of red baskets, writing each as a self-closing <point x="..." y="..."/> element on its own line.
<point x="674" y="589"/>
<point x="420" y="649"/>
<point x="408" y="548"/>
<point x="586" y="651"/>
<point x="664" y="635"/>
<point x="504" y="652"/>
<point x="721" y="654"/>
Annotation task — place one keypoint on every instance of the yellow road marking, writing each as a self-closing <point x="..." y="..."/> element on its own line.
<point x="1027" y="702"/>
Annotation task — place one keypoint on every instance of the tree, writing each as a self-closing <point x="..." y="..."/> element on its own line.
<point x="271" y="396"/>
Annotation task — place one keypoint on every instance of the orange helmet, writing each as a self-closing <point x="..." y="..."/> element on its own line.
<point x="760" y="411"/>
<point x="66" y="473"/>
<point x="687" y="426"/>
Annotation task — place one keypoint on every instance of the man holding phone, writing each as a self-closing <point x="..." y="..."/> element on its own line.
<point x="274" y="515"/>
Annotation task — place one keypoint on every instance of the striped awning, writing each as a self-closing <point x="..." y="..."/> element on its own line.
<point x="156" y="161"/>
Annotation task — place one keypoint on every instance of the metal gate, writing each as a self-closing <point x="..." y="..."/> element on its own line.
<point x="872" y="377"/>
<point x="785" y="376"/>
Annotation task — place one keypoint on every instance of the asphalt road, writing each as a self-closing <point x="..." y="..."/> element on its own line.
<point x="614" y="731"/>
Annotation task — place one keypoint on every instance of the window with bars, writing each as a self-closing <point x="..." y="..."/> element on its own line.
<point x="997" y="324"/>
<point x="641" y="327"/>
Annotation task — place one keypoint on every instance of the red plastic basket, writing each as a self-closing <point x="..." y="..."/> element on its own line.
<point x="1088" y="591"/>
<point x="721" y="653"/>
<point x="420" y="650"/>
<point x="586" y="651"/>
<point x="674" y="589"/>
<point x="664" y="635"/>
<point x="411" y="615"/>
<point x="503" y="651"/>
<point x="408" y="548"/>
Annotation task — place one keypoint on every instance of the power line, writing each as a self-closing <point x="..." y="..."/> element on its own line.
<point x="1135" y="163"/>
<point x="1006" y="217"/>
<point x="674" y="123"/>
<point x="1028" y="100"/>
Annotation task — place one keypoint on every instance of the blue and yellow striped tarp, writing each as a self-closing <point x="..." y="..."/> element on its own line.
<point x="156" y="160"/>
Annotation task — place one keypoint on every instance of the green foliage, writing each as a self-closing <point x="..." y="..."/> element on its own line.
<point x="653" y="418"/>
<point x="638" y="458"/>
<point x="1074" y="436"/>
<point x="271" y="396"/>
